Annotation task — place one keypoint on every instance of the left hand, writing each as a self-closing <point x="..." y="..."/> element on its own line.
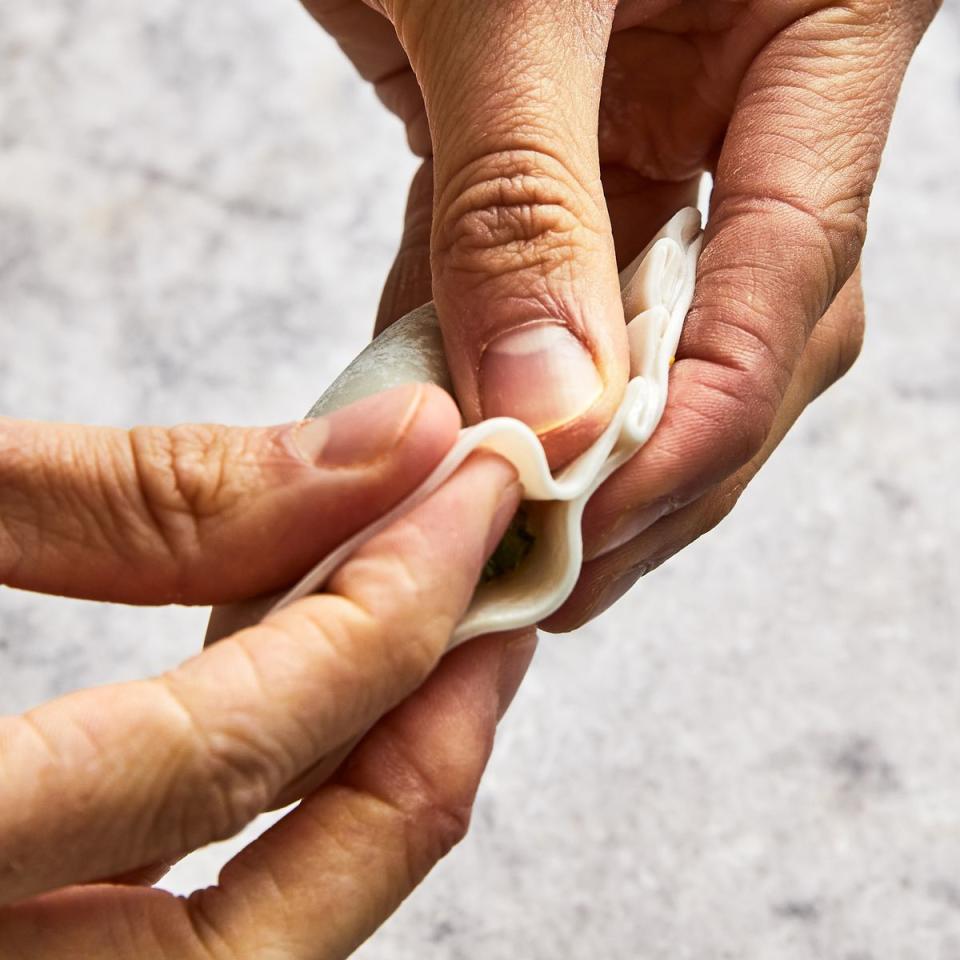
<point x="619" y="549"/>
<point x="786" y="102"/>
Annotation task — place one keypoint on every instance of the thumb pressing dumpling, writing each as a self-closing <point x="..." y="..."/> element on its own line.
<point x="538" y="563"/>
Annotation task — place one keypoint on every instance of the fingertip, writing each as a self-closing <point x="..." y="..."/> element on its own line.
<point x="437" y="417"/>
<point x="567" y="441"/>
<point x="407" y="428"/>
<point x="360" y="433"/>
<point x="485" y="469"/>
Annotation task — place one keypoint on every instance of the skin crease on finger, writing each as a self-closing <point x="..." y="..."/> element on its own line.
<point x="670" y="84"/>
<point x="135" y="516"/>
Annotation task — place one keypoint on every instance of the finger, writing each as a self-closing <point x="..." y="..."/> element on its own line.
<point x="319" y="882"/>
<point x="204" y="514"/>
<point x="787" y="223"/>
<point x="638" y="208"/>
<point x="105" y="781"/>
<point x="409" y="283"/>
<point x="830" y="352"/>
<point x="524" y="271"/>
<point x="142" y="876"/>
<point x="370" y="42"/>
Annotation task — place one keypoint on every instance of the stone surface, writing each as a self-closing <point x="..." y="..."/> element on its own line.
<point x="757" y="753"/>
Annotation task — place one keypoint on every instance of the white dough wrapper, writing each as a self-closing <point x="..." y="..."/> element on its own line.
<point x="657" y="291"/>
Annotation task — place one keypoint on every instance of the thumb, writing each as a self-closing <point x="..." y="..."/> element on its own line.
<point x="524" y="269"/>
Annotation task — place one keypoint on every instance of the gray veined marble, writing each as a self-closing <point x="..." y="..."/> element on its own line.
<point x="193" y="227"/>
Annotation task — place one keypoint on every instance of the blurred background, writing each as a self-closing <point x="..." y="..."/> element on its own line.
<point x="757" y="753"/>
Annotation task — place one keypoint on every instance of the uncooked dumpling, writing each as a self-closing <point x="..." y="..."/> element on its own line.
<point x="657" y="291"/>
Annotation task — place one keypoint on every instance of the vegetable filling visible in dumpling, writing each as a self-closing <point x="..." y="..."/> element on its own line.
<point x="513" y="548"/>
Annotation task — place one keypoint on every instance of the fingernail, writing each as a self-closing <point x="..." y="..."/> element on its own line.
<point x="631" y="525"/>
<point x="360" y="433"/>
<point x="517" y="655"/>
<point x="539" y="373"/>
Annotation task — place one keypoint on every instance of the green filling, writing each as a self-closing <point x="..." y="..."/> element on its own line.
<point x="512" y="550"/>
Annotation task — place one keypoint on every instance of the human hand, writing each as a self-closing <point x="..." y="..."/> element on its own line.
<point x="540" y="121"/>
<point x="100" y="785"/>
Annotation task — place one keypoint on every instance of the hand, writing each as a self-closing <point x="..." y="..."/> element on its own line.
<point x="557" y="132"/>
<point x="99" y="786"/>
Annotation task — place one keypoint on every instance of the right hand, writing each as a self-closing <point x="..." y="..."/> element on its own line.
<point x="99" y="786"/>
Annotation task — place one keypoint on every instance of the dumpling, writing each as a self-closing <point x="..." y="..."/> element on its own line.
<point x="657" y="290"/>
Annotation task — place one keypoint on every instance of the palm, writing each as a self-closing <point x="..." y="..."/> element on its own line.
<point x="669" y="85"/>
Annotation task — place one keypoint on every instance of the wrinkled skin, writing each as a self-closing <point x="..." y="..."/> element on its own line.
<point x="788" y="104"/>
<point x="103" y="788"/>
<point x="516" y="212"/>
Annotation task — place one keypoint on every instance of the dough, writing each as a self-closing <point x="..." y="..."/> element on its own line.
<point x="657" y="291"/>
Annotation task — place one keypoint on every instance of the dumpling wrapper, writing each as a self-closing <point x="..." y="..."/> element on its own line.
<point x="657" y="290"/>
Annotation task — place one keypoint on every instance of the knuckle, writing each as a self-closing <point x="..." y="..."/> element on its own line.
<point x="753" y="419"/>
<point x="741" y="410"/>
<point x="223" y="778"/>
<point x="423" y="796"/>
<point x="425" y="629"/>
<point x="239" y="782"/>
<point x="187" y="476"/>
<point x="514" y="211"/>
<point x="836" y="342"/>
<point x="826" y="236"/>
<point x="740" y="391"/>
<point x="182" y="468"/>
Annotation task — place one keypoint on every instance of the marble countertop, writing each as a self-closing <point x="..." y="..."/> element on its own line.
<point x="756" y="758"/>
